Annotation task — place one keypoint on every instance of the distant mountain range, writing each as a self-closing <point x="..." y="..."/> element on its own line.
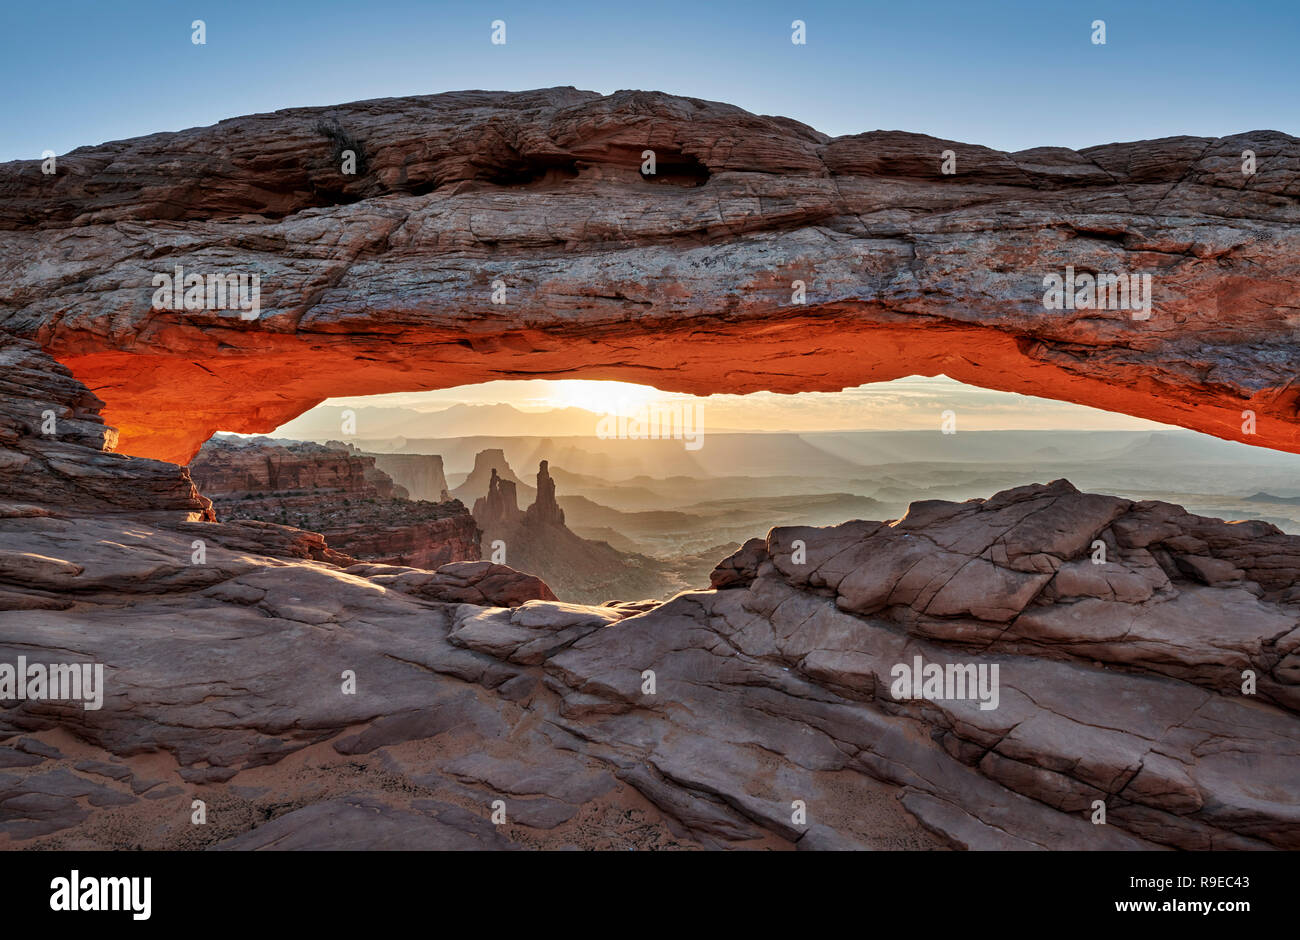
<point x="462" y="420"/>
<point x="460" y="432"/>
<point x="659" y="500"/>
<point x="1270" y="498"/>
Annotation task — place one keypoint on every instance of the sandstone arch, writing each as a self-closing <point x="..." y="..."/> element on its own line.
<point x="383" y="281"/>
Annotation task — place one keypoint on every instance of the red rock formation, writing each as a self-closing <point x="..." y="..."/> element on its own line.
<point x="384" y="281"/>
<point x="499" y="509"/>
<point x="383" y="483"/>
<point x="55" y="449"/>
<point x="538" y="541"/>
<point x="488" y="463"/>
<point x="230" y="468"/>
<point x="142" y="525"/>
<point x="398" y="540"/>
<point x="334" y="490"/>
<point x="545" y="511"/>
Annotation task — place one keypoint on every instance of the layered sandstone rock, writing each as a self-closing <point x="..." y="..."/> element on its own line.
<point x="144" y="522"/>
<point x="490" y="464"/>
<point x="385" y="280"/>
<point x="334" y="490"/>
<point x="55" y="450"/>
<point x="479" y="582"/>
<point x="230" y="468"/>
<point x="499" y="508"/>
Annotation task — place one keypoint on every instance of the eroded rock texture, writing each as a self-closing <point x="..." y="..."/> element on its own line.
<point x="336" y="491"/>
<point x="1119" y="682"/>
<point x="384" y="280"/>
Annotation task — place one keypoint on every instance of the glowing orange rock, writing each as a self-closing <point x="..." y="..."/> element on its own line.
<point x="513" y="235"/>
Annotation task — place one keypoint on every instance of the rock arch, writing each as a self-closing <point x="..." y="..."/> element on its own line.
<point x="385" y="280"/>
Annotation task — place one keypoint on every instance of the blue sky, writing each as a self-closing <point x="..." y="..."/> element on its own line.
<point x="1006" y="74"/>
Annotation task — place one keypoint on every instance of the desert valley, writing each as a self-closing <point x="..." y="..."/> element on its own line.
<point x="634" y="519"/>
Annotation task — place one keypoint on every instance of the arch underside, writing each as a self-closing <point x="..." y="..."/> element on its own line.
<point x="165" y="406"/>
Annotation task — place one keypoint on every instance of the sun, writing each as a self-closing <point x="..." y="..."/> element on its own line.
<point x="622" y="398"/>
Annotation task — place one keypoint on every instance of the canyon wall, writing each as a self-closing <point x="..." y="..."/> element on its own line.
<point x="334" y="491"/>
<point x="421" y="475"/>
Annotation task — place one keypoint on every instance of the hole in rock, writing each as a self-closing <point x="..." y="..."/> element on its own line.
<point x="616" y="491"/>
<point x="678" y="169"/>
<point x="529" y="172"/>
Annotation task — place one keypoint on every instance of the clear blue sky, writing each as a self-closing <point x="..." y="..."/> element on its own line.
<point x="1006" y="74"/>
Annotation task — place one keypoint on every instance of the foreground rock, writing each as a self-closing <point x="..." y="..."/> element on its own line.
<point x="385" y="280"/>
<point x="315" y="706"/>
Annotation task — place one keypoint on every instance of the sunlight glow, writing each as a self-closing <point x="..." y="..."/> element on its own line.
<point x="621" y="398"/>
<point x="912" y="403"/>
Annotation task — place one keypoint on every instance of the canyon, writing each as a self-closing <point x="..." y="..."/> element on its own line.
<point x="536" y="540"/>
<point x="421" y="475"/>
<point x="322" y="673"/>
<point x="341" y="494"/>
